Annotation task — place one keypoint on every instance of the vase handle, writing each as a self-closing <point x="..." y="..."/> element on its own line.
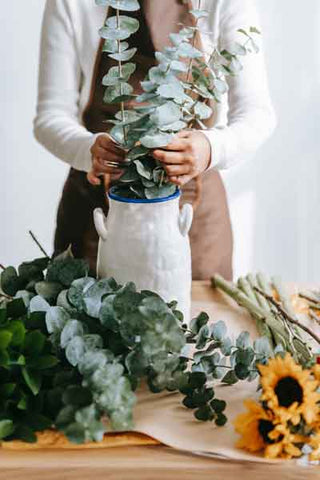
<point x="99" y="222"/>
<point x="185" y="219"/>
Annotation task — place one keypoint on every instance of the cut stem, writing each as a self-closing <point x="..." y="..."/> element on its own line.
<point x="286" y="315"/>
<point x="38" y="244"/>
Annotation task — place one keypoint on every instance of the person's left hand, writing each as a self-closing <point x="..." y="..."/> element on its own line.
<point x="187" y="156"/>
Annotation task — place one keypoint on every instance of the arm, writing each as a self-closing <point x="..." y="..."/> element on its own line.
<point x="57" y="126"/>
<point x="251" y="117"/>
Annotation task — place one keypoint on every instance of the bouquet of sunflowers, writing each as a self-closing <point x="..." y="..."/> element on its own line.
<point x="285" y="423"/>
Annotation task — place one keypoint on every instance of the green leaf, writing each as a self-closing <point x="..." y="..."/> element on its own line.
<point x="262" y="347"/>
<point x="221" y="420"/>
<point x="71" y="329"/>
<point x="77" y="290"/>
<point x="75" y="350"/>
<point x="38" y="304"/>
<point x="164" y="191"/>
<point x="77" y="396"/>
<point x="6" y="428"/>
<point x="112" y="46"/>
<point x="10" y="282"/>
<point x="93" y="296"/>
<point x="198" y="322"/>
<point x="66" y="271"/>
<point x="243" y="340"/>
<point x="241" y="371"/>
<point x="156" y="139"/>
<point x="56" y="318"/>
<point x="119" y="28"/>
<point x="125" y="5"/>
<point x="33" y="270"/>
<point x="166" y="114"/>
<point x="18" y="331"/>
<point x="4" y="358"/>
<point x="117" y="74"/>
<point x="25" y="296"/>
<point x="75" y="433"/>
<point x="116" y="93"/>
<point x="186" y="50"/>
<point x="25" y="434"/>
<point x="199" y="13"/>
<point x="218" y="405"/>
<point x="218" y="330"/>
<point x="124" y="56"/>
<point x="34" y="343"/>
<point x="33" y="379"/>
<point x="197" y="379"/>
<point x="204" y="414"/>
<point x="255" y="30"/>
<point x="16" y="308"/>
<point x="203" y="337"/>
<point x="230" y="378"/>
<point x="7" y="389"/>
<point x="202" y="110"/>
<point x="48" y="290"/>
<point x="5" y="339"/>
<point x="38" y="422"/>
<point x="143" y="169"/>
<point x="44" y="362"/>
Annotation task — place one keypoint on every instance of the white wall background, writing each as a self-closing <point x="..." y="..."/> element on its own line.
<point x="275" y="199"/>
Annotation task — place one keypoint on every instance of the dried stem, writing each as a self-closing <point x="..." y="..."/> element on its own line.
<point x="2" y="267"/>
<point x="314" y="317"/>
<point x="285" y="314"/>
<point x="38" y="244"/>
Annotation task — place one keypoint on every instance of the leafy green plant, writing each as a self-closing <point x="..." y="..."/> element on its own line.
<point x="80" y="355"/>
<point x="27" y="367"/>
<point x="177" y="94"/>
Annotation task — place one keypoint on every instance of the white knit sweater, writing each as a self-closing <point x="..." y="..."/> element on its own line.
<point x="68" y="51"/>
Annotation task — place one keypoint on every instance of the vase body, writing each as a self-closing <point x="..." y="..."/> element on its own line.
<point x="147" y="242"/>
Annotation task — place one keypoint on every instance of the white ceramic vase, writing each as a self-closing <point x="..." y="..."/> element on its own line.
<point x="147" y="242"/>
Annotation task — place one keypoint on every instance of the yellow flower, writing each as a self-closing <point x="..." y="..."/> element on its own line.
<point x="254" y="427"/>
<point x="314" y="442"/>
<point x="285" y="443"/>
<point x="289" y="391"/>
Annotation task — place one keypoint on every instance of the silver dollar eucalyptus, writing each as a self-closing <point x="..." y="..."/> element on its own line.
<point x="177" y="94"/>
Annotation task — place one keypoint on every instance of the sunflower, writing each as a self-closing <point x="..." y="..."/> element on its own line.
<point x="286" y="444"/>
<point x="254" y="427"/>
<point x="289" y="391"/>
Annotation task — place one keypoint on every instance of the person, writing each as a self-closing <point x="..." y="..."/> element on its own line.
<point x="71" y="119"/>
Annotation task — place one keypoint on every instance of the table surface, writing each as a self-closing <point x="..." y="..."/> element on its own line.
<point x="146" y="462"/>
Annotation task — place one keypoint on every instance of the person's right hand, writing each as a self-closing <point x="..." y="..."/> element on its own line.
<point x="103" y="150"/>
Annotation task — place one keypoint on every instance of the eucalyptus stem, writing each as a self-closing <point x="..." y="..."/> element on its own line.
<point x="120" y="73"/>
<point x="38" y="244"/>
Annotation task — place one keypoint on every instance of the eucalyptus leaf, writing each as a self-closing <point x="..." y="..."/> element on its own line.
<point x="125" y="5"/>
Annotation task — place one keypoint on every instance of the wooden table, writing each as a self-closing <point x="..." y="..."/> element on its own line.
<point x="150" y="462"/>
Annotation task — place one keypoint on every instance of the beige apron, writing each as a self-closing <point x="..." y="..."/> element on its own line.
<point x="211" y="233"/>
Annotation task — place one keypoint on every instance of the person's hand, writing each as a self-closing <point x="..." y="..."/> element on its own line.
<point x="105" y="150"/>
<point x="187" y="156"/>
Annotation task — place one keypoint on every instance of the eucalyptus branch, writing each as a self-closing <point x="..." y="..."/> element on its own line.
<point x="2" y="267"/>
<point x="38" y="244"/>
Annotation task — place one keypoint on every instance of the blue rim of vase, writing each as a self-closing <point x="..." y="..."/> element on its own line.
<point x="117" y="198"/>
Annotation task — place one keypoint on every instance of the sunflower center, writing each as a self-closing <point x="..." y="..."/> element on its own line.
<point x="265" y="427"/>
<point x="288" y="391"/>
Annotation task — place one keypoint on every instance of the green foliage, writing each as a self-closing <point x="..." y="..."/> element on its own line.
<point x="75" y="361"/>
<point x="27" y="369"/>
<point x="175" y="94"/>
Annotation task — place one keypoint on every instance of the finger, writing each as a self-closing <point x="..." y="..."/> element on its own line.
<point x="106" y="154"/>
<point x="173" y="158"/>
<point x="107" y="142"/>
<point x="93" y="178"/>
<point x="177" y="170"/>
<point x="181" y="180"/>
<point x="177" y="145"/>
<point x="184" y="134"/>
<point x="101" y="167"/>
